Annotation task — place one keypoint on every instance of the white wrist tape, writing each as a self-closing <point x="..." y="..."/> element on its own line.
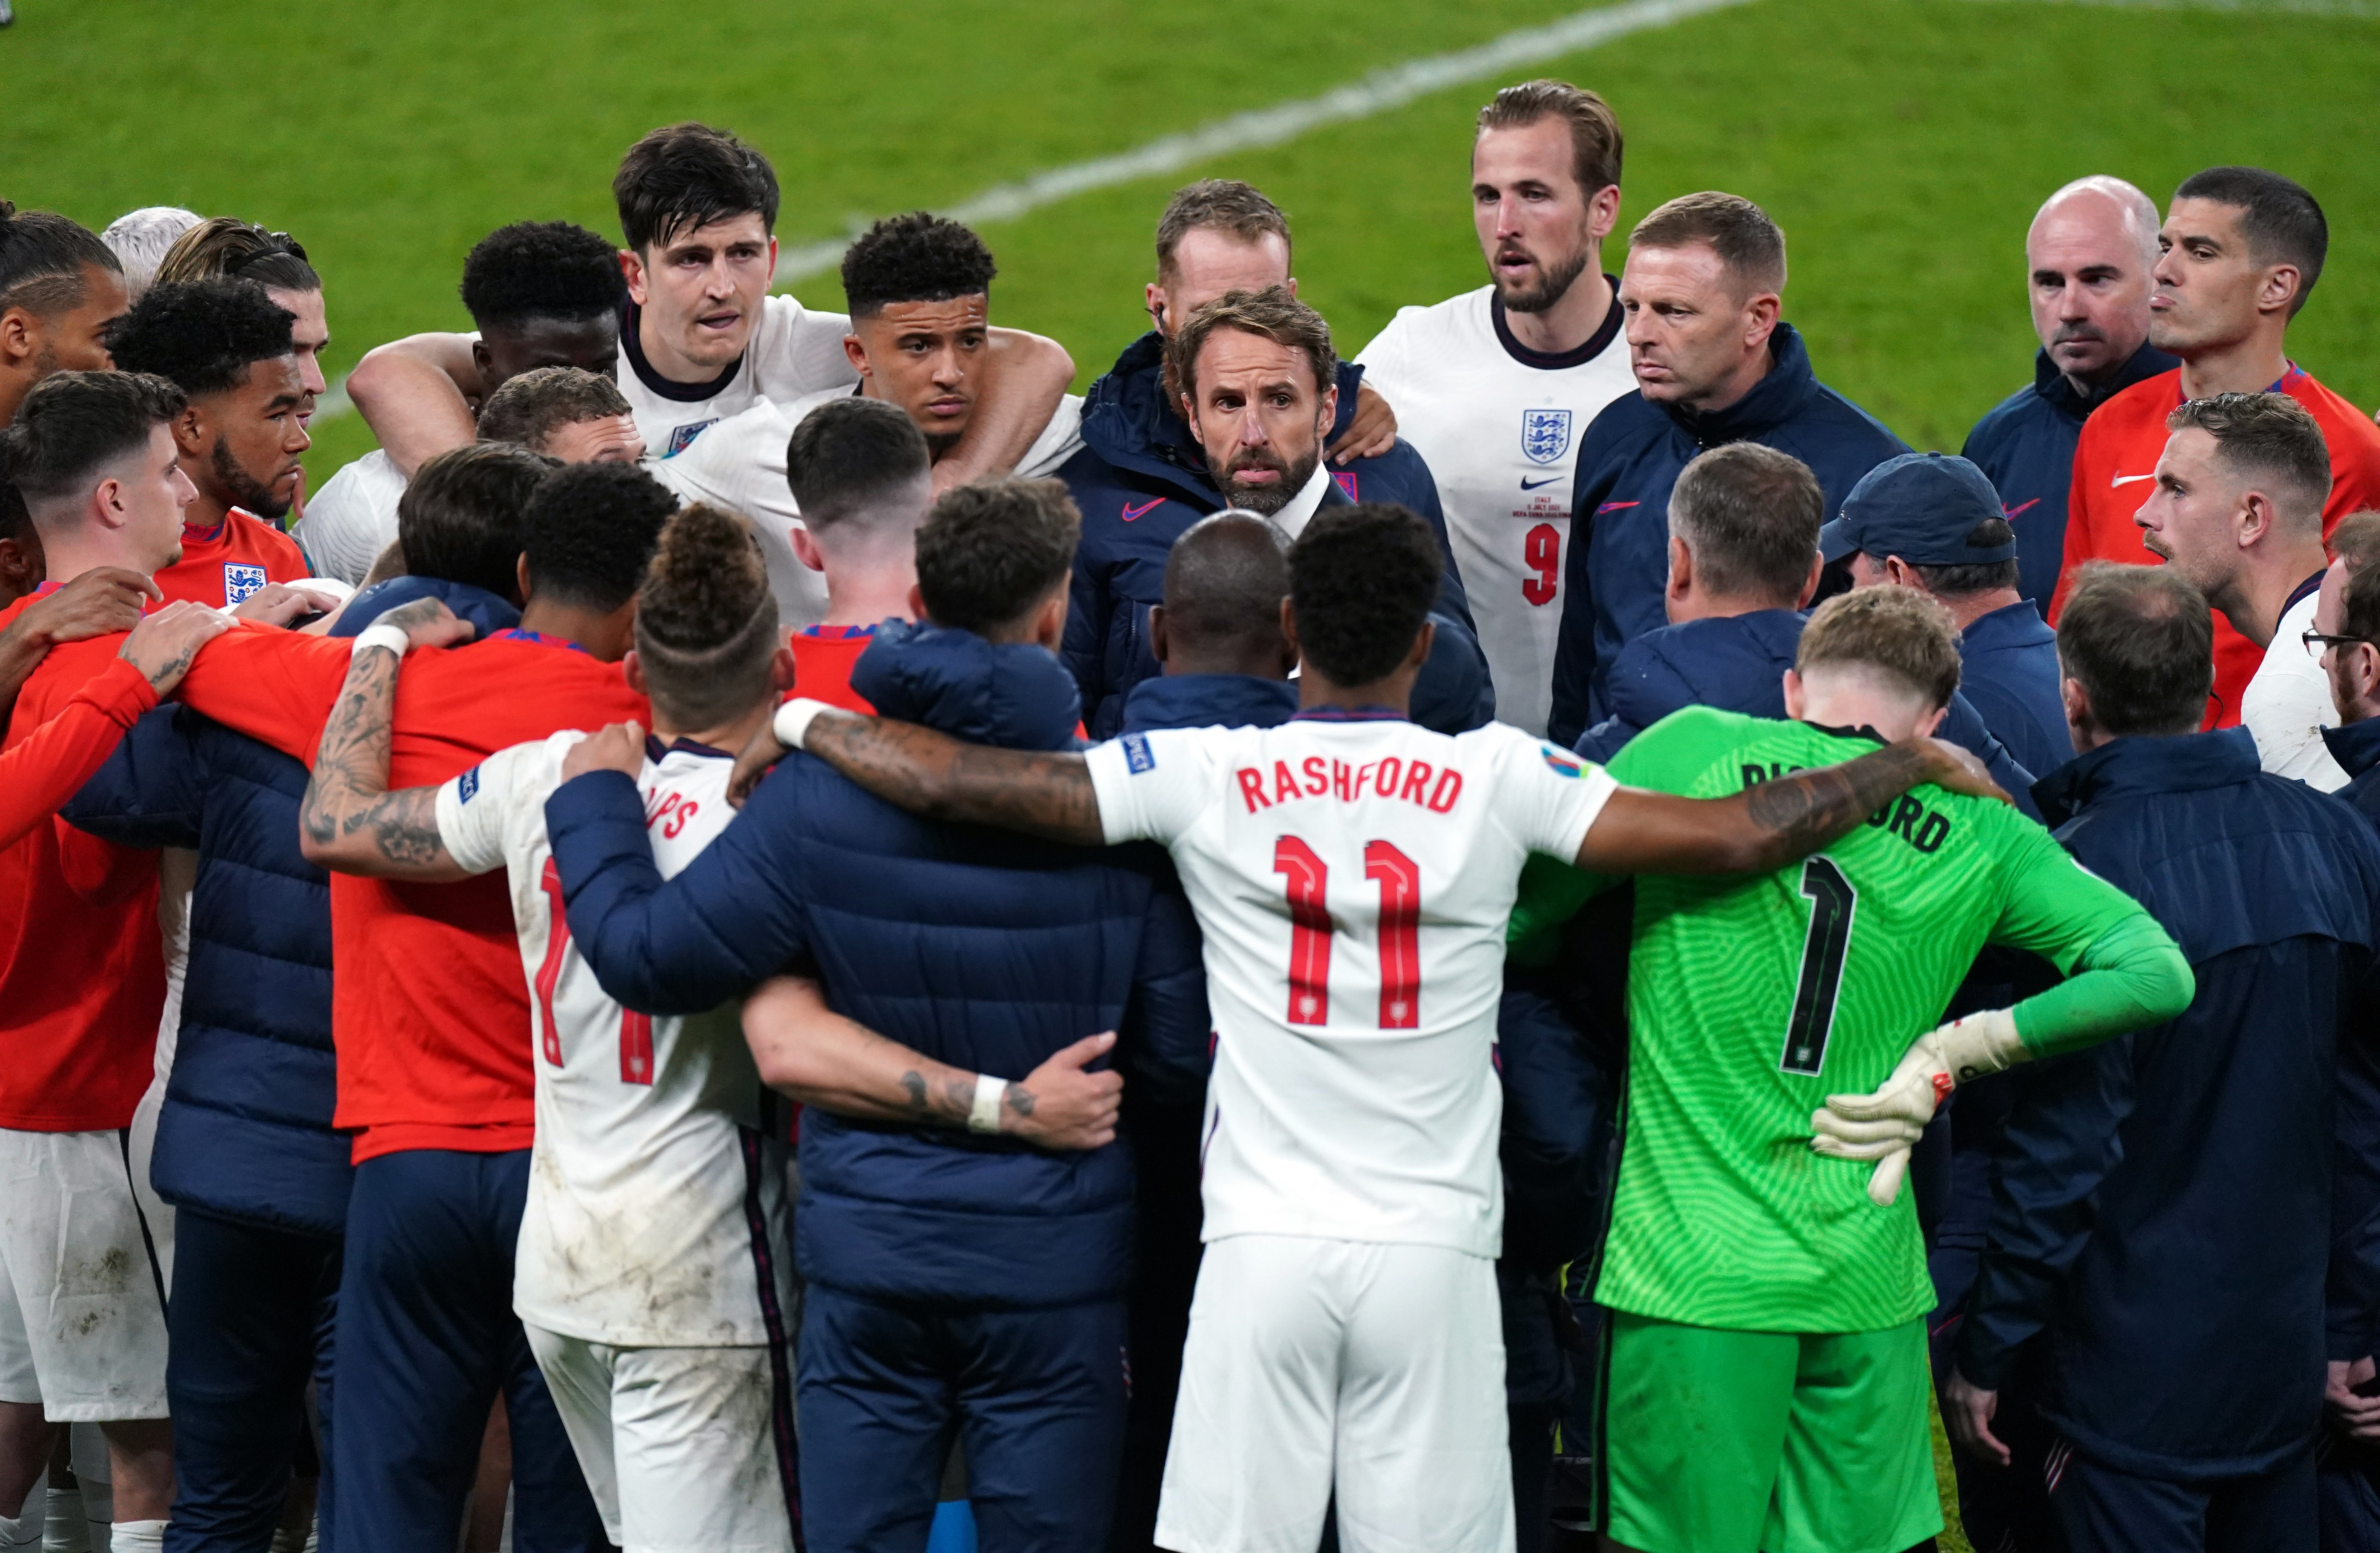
<point x="389" y="637"/>
<point x="792" y="723"/>
<point x="984" y="1115"/>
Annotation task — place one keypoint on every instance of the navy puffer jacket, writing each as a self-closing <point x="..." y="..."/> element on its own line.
<point x="986" y="950"/>
<point x="245" y="1131"/>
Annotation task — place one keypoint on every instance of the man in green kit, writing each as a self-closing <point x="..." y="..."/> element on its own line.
<point x="1767" y="1387"/>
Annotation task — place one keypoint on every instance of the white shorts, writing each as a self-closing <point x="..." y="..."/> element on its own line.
<point x="1376" y="1370"/>
<point x="678" y="1444"/>
<point x="82" y="1319"/>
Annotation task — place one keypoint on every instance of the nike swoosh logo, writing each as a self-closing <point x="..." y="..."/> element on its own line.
<point x="1534" y="484"/>
<point x="2128" y="479"/>
<point x="1613" y="507"/>
<point x="2012" y="511"/>
<point x="1131" y="512"/>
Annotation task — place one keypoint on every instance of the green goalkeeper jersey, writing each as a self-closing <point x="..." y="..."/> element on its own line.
<point x="1750" y="1000"/>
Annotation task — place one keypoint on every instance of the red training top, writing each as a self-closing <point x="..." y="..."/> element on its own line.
<point x="83" y="968"/>
<point x="222" y="565"/>
<point x="2113" y="469"/>
<point x="429" y="1004"/>
<point x="823" y="660"/>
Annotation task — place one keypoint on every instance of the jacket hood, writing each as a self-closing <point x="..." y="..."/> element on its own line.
<point x="1128" y="420"/>
<point x="478" y="606"/>
<point x="2054" y="385"/>
<point x="1185" y="700"/>
<point x="2186" y="763"/>
<point x="1738" y="662"/>
<point x="1013" y="695"/>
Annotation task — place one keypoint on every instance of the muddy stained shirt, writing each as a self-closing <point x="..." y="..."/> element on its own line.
<point x="635" y="1231"/>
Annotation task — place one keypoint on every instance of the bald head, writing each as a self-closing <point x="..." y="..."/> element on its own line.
<point x="1224" y="583"/>
<point x="2088" y="255"/>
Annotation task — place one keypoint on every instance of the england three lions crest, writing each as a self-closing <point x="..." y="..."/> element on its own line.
<point x="1545" y="434"/>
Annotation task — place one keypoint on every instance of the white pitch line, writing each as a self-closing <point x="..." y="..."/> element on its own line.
<point x="1377" y="94"/>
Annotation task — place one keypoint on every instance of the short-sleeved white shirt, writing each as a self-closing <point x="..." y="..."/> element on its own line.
<point x="1500" y="426"/>
<point x="740" y="464"/>
<point x="1353" y="876"/>
<point x="635" y="1231"/>
<point x="352" y="518"/>
<point x="792" y="353"/>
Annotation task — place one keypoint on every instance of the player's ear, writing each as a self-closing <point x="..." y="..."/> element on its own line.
<point x="520" y="576"/>
<point x="1682" y="568"/>
<point x="784" y="670"/>
<point x="1810" y="583"/>
<point x="190" y="429"/>
<point x="1289" y="628"/>
<point x="1794" y="694"/>
<point x="917" y="602"/>
<point x="806" y="548"/>
<point x="633" y="668"/>
<point x="20" y="332"/>
<point x="1929" y="722"/>
<point x="855" y="353"/>
<point x="632" y="270"/>
<point x="1424" y="640"/>
<point x="1159" y="647"/>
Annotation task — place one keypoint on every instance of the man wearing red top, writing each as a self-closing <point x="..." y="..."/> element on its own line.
<point x="2240" y="250"/>
<point x="863" y="478"/>
<point x="429" y="1015"/>
<point x="82" y="1333"/>
<point x="229" y="347"/>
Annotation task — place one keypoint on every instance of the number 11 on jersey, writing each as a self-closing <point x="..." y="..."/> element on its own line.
<point x="1308" y="883"/>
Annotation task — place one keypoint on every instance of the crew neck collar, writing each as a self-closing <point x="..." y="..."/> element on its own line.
<point x="1555" y="361"/>
<point x="631" y="346"/>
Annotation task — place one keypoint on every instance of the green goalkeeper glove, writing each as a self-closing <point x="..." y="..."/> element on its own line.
<point x="1884" y="1124"/>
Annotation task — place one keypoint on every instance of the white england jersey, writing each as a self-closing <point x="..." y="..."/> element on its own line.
<point x="352" y="518"/>
<point x="740" y="464"/>
<point x="794" y="352"/>
<point x="1353" y="875"/>
<point x="651" y="1154"/>
<point x="1498" y="425"/>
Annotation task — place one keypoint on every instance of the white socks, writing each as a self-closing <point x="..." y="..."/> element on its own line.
<point x="137" y="1536"/>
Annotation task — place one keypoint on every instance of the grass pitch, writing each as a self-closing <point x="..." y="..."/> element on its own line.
<point x="1902" y="144"/>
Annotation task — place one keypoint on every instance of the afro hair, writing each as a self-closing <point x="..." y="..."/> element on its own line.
<point x="915" y="258"/>
<point x="201" y="336"/>
<point x="541" y="269"/>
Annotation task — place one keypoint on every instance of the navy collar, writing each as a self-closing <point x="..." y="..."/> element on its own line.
<point x="2142" y="767"/>
<point x="2305" y="591"/>
<point x="632" y="344"/>
<point x="2058" y="389"/>
<point x="2011" y="625"/>
<point x="655" y="750"/>
<point x="1350" y="715"/>
<point x="516" y="634"/>
<point x="2356" y="746"/>
<point x="1775" y="399"/>
<point x="1555" y="361"/>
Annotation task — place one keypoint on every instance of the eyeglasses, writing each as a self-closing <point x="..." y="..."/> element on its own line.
<point x="2317" y="643"/>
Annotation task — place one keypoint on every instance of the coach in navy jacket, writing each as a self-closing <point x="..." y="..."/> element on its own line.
<point x="2165" y="1204"/>
<point x="1141" y="480"/>
<point x="244" y="1150"/>
<point x="1619" y="525"/>
<point x="2025" y="443"/>
<point x="982" y="949"/>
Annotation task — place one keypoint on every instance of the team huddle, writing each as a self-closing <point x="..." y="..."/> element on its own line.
<point x="768" y="930"/>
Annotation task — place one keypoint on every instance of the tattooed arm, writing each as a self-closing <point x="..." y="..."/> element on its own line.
<point x="349" y="822"/>
<point x="1770" y="824"/>
<point x="806" y="1051"/>
<point x="929" y="774"/>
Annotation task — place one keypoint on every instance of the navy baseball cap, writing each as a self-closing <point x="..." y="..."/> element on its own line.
<point x="1920" y="506"/>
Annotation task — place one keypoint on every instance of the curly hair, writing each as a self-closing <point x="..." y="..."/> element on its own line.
<point x="915" y="258"/>
<point x="1361" y="581"/>
<point x="989" y="551"/>
<point x="541" y="269"/>
<point x="202" y="334"/>
<point x="589" y="530"/>
<point x="706" y="619"/>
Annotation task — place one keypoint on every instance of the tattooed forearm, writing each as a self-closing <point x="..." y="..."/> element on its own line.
<point x="349" y="820"/>
<point x="941" y="777"/>
<point x="1019" y="1099"/>
<point x="947" y="1103"/>
<point x="1800" y="813"/>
